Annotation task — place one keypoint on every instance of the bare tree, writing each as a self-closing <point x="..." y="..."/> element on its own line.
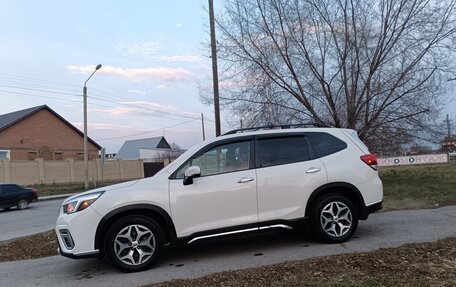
<point x="377" y="66"/>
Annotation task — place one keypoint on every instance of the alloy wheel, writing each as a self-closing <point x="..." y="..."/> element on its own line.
<point x="134" y="244"/>
<point x="336" y="219"/>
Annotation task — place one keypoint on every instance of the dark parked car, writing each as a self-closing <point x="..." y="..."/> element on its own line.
<point x="16" y="195"/>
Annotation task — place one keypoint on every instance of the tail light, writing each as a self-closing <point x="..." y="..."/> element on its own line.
<point x="370" y="160"/>
<point x="34" y="190"/>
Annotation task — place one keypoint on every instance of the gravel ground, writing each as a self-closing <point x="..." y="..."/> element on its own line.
<point x="30" y="247"/>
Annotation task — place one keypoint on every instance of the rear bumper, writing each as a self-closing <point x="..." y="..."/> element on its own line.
<point x="366" y="210"/>
<point x="375" y="207"/>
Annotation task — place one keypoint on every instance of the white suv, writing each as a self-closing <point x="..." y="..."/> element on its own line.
<point x="238" y="182"/>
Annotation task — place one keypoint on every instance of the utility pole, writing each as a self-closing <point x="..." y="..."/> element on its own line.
<point x="448" y="122"/>
<point x="214" y="69"/>
<point x="202" y="126"/>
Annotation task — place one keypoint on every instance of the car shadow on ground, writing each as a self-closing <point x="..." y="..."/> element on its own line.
<point x="197" y="255"/>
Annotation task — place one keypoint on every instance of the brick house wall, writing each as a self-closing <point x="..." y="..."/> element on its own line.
<point x="44" y="135"/>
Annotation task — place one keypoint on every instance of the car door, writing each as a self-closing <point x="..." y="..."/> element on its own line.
<point x="287" y="174"/>
<point x="223" y="196"/>
<point x="8" y="195"/>
<point x="2" y="199"/>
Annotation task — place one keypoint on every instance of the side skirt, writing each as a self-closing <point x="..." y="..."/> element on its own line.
<point x="241" y="229"/>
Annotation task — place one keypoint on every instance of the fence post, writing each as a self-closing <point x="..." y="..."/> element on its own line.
<point x="121" y="169"/>
<point x="71" y="164"/>
<point x="40" y="162"/>
<point x="99" y="169"/>
<point x="141" y="166"/>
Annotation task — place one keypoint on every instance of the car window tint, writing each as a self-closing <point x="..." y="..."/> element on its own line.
<point x="283" y="150"/>
<point x="221" y="159"/>
<point x="325" y="144"/>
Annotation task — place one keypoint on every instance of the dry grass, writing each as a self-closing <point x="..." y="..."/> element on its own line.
<point x="423" y="264"/>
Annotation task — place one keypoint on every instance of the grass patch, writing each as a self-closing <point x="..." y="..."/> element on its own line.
<point x="64" y="188"/>
<point x="419" y="186"/>
<point x="418" y="264"/>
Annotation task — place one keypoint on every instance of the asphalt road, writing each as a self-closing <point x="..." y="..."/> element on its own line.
<point x="388" y="229"/>
<point x="39" y="217"/>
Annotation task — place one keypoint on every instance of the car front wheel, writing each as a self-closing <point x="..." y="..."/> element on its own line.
<point x="334" y="218"/>
<point x="134" y="243"/>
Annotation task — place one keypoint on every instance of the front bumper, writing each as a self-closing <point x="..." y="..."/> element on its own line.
<point x="81" y="228"/>
<point x="94" y="254"/>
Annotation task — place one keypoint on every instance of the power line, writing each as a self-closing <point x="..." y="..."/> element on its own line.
<point x="137" y="134"/>
<point x="147" y="109"/>
<point x="136" y="112"/>
<point x="100" y="99"/>
<point x="39" y="90"/>
<point x="38" y="96"/>
<point x="36" y="80"/>
<point x="45" y="83"/>
<point x="77" y="101"/>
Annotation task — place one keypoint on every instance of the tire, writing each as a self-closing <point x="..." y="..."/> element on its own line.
<point x="130" y="251"/>
<point x="334" y="218"/>
<point x="22" y="204"/>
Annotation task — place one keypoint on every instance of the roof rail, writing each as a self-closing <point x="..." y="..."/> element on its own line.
<point x="271" y="127"/>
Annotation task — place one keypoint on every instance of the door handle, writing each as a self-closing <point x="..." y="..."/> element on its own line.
<point x="245" y="179"/>
<point x="313" y="170"/>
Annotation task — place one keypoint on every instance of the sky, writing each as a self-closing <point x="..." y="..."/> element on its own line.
<point x="153" y="56"/>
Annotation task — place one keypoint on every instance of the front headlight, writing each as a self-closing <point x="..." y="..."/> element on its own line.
<point x="81" y="202"/>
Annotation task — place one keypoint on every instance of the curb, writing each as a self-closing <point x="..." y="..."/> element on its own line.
<point x="58" y="196"/>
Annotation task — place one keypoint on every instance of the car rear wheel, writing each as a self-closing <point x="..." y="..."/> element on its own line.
<point x="334" y="218"/>
<point x="134" y="243"/>
<point x="22" y="204"/>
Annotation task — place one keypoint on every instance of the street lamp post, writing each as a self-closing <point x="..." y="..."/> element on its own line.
<point x="86" y="154"/>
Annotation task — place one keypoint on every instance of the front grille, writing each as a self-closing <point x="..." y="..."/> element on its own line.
<point x="66" y="238"/>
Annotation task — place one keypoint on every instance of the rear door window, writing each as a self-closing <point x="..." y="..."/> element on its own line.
<point x="282" y="150"/>
<point x="325" y="144"/>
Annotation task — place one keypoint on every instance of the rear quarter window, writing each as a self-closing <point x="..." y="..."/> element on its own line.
<point x="325" y="144"/>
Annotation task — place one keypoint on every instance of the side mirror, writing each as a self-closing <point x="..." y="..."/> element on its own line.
<point x="190" y="173"/>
